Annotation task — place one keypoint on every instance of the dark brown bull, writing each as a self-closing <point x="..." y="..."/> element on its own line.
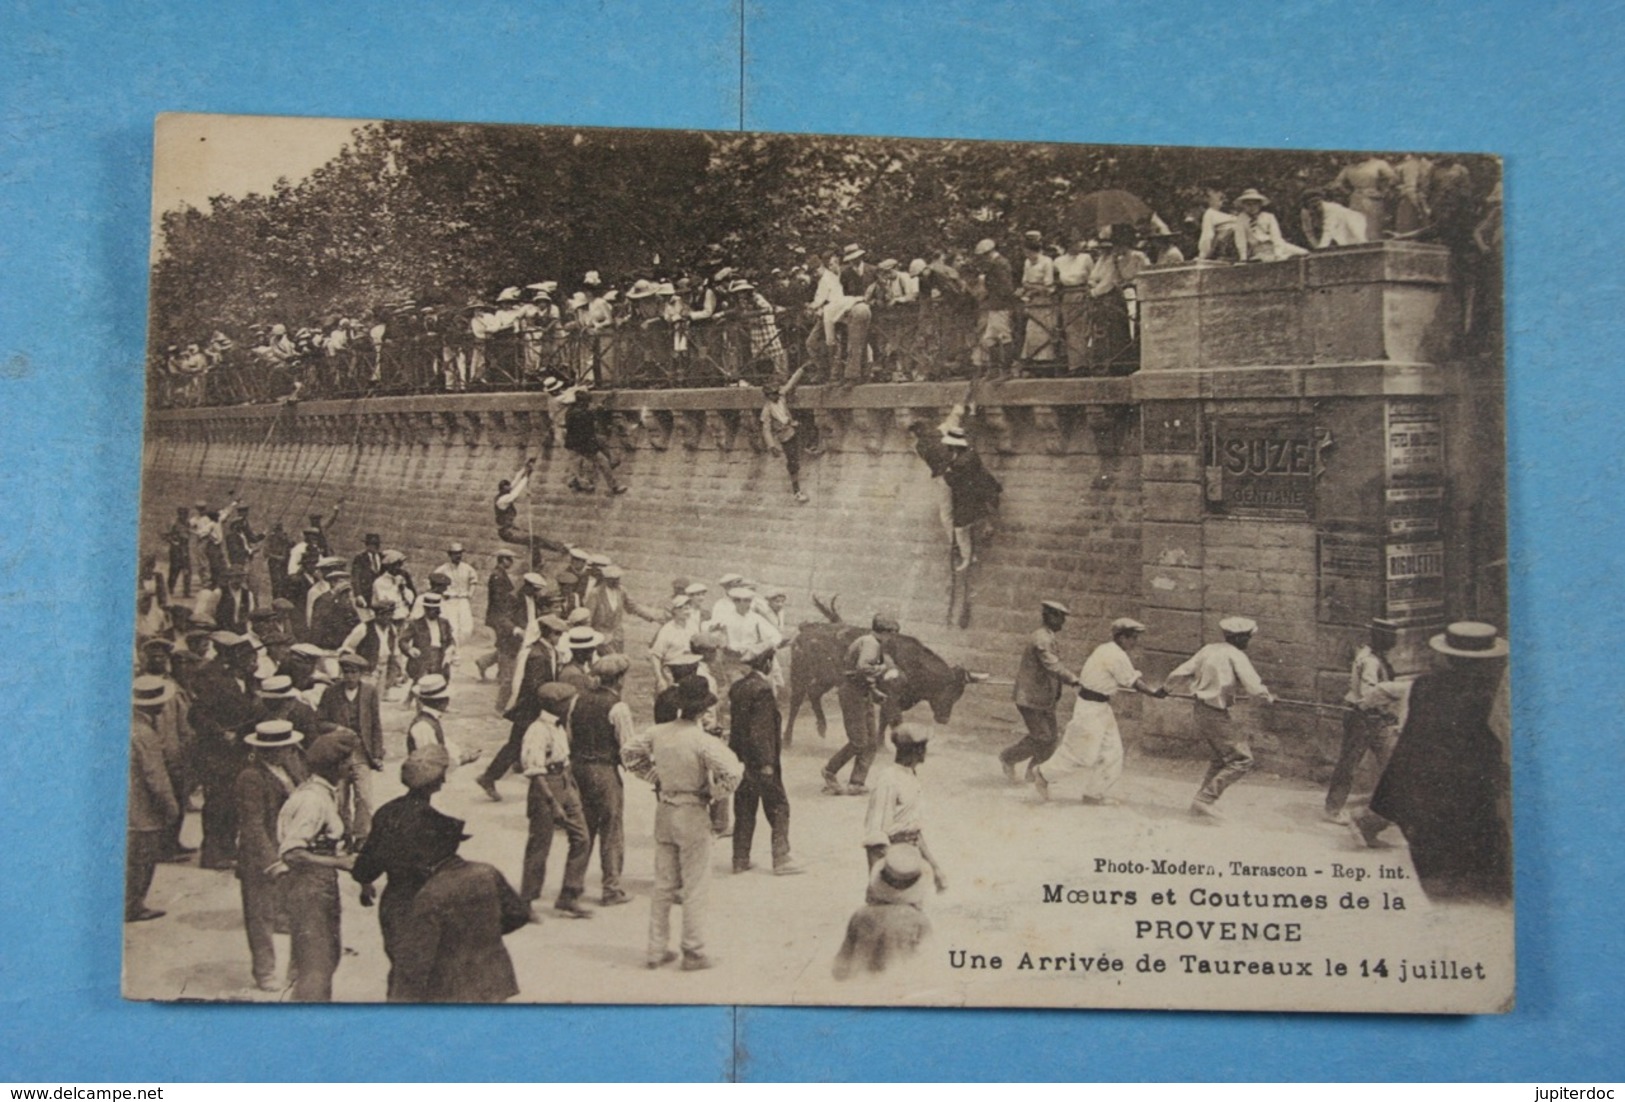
<point x="818" y="664"/>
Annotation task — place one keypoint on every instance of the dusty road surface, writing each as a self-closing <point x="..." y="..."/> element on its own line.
<point x="775" y="937"/>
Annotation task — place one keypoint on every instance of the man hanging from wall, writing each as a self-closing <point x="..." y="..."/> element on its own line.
<point x="509" y="491"/>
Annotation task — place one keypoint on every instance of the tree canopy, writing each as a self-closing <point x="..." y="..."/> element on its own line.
<point x="440" y="212"/>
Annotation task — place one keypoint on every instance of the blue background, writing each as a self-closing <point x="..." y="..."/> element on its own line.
<point x="79" y="87"/>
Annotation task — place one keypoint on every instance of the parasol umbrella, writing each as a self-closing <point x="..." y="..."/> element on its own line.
<point x="1099" y="209"/>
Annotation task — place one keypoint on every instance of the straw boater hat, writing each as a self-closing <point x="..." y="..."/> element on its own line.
<point x="151" y="691"/>
<point x="431" y="687"/>
<point x="552" y="384"/>
<point x="582" y="637"/>
<point x="579" y="616"/>
<point x="1470" y="639"/>
<point x="640" y="289"/>
<point x="853" y="252"/>
<point x="739" y="286"/>
<point x="1252" y="195"/>
<point x="273" y="734"/>
<point x="279" y="687"/>
<point x="1055" y="606"/>
<point x="898" y="878"/>
<point x="665" y="290"/>
<point x="955" y="438"/>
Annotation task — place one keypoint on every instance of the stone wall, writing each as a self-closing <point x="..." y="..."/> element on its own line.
<point x="1376" y="447"/>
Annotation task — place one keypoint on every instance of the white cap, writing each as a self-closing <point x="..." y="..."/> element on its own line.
<point x="1237" y="625"/>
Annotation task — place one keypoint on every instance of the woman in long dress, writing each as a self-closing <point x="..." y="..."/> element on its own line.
<point x="1368" y="184"/>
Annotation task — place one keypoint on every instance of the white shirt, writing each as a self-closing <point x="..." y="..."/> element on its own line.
<point x="896" y="805"/>
<point x="1217" y="669"/>
<point x="546" y="743"/>
<point x="1108" y="670"/>
<point x="1072" y="270"/>
<point x="463" y="580"/>
<point x="745" y="632"/>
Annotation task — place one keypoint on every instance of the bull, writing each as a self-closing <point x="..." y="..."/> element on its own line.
<point x="818" y="664"/>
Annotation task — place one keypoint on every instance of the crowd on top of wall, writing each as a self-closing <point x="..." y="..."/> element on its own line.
<point x="1062" y="308"/>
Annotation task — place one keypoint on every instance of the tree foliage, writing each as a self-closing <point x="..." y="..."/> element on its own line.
<point x="438" y="212"/>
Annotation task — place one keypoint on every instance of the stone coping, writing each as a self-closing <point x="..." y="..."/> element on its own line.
<point x="1352" y="380"/>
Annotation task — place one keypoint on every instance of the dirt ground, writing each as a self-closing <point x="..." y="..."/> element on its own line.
<point x="775" y="937"/>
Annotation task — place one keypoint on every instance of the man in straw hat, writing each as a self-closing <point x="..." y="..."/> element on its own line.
<point x="275" y="768"/>
<point x="1039" y="680"/>
<point x="153" y="806"/>
<point x="1220" y="674"/>
<point x="891" y="924"/>
<point x="1092" y="746"/>
<point x="401" y="844"/>
<point x="973" y="494"/>
<point x="429" y="643"/>
<point x="689" y="770"/>
<point x="554" y="800"/>
<point x="310" y="838"/>
<point x="1446" y="786"/>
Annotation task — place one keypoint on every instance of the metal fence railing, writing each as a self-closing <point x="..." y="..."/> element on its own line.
<point x="926" y="341"/>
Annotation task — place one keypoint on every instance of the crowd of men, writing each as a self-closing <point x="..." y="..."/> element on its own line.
<point x="274" y="713"/>
<point x="1058" y="304"/>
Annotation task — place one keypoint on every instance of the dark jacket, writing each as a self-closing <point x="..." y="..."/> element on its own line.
<point x="450" y="946"/>
<point x="754" y="723"/>
<point x="541" y="666"/>
<point x="363" y="573"/>
<point x="499" y="599"/>
<point x="975" y="492"/>
<point x="581" y="430"/>
<point x="360" y="716"/>
<point x="332" y="618"/>
<point x="400" y="847"/>
<point x="260" y="797"/>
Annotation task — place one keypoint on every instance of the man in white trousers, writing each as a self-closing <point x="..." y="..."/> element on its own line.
<point x="1092" y="746"/>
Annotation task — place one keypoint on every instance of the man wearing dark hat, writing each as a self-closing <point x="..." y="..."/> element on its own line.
<point x="310" y="835"/>
<point x="689" y="770"/>
<point x="450" y="943"/>
<point x="754" y="733"/>
<point x="1447" y="785"/>
<point x="600" y="723"/>
<point x="868" y="670"/>
<point x="223" y="710"/>
<point x="1220" y="673"/>
<point x="1039" y="680"/>
<point x="274" y="770"/>
<point x="1371" y="721"/>
<point x="553" y="801"/>
<point x="401" y="847"/>
<point x="540" y="667"/>
<point x="369" y="564"/>
<point x="153" y="807"/>
<point x="1092" y="746"/>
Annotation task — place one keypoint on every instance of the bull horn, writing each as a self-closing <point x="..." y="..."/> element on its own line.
<point x="974" y="678"/>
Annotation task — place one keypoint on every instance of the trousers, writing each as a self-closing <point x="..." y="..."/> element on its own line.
<point x="682" y="875"/>
<point x="1229" y="744"/>
<point x="1361" y="732"/>
<point x="141" y="851"/>
<point x="603" y="799"/>
<point x="858" y="717"/>
<point x="543" y="819"/>
<point x="262" y="898"/>
<point x="506" y="755"/>
<point x="313" y="920"/>
<point x="768" y="792"/>
<point x="1092" y="746"/>
<point x="1040" y="742"/>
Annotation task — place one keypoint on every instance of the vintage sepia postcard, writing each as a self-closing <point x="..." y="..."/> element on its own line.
<point x="671" y="567"/>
